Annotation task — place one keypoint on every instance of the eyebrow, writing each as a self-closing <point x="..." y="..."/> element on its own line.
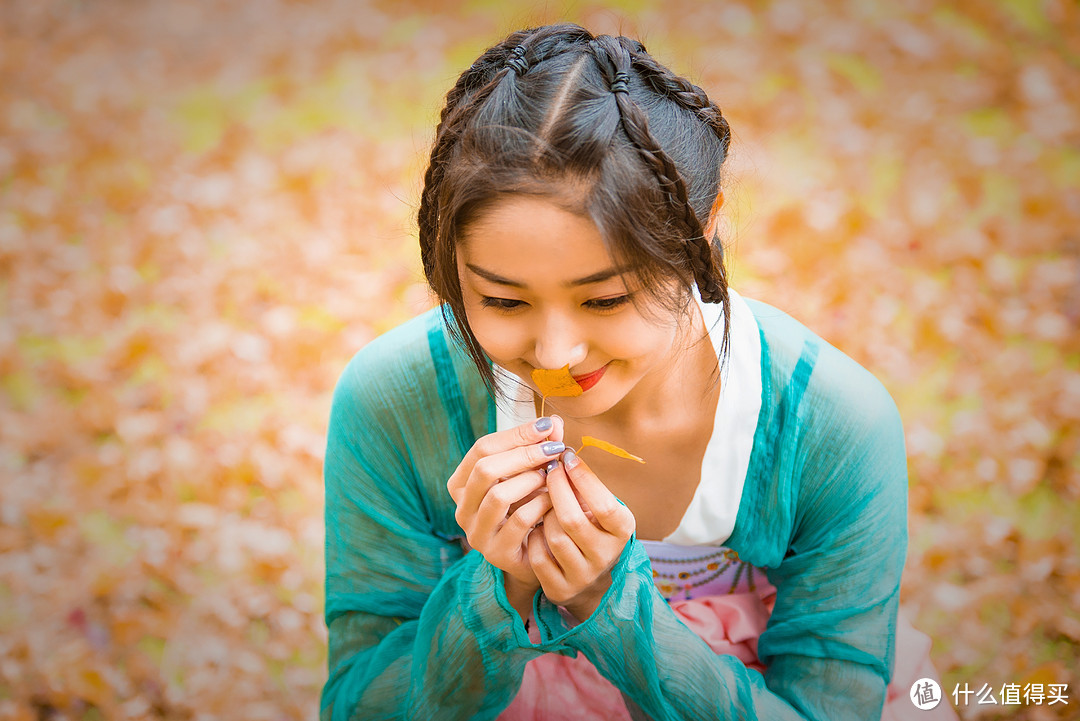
<point x="587" y="280"/>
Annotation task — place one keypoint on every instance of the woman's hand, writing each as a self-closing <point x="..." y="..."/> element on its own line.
<point x="496" y="489"/>
<point x="574" y="555"/>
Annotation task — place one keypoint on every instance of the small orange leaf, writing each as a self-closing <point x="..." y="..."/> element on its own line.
<point x="556" y="382"/>
<point x="609" y="447"/>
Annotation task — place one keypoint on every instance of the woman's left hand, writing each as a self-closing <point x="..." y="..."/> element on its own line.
<point x="574" y="555"/>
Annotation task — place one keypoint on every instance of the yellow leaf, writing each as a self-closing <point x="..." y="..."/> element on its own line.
<point x="556" y="382"/>
<point x="609" y="447"/>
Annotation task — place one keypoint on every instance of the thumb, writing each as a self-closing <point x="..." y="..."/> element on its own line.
<point x="558" y="427"/>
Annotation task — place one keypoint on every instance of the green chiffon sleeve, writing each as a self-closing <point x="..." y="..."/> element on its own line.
<point x="824" y="511"/>
<point x="418" y="629"/>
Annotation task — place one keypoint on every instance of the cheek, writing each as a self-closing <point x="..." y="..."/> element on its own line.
<point x="501" y="338"/>
<point x="632" y="338"/>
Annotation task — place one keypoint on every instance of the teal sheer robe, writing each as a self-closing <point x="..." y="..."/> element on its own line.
<point x="419" y="629"/>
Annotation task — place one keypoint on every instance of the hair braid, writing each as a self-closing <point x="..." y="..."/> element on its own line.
<point x="706" y="259"/>
<point x="668" y="84"/>
<point x="462" y="101"/>
<point x="710" y="278"/>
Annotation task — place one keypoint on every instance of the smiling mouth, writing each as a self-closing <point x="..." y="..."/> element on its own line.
<point x="588" y="381"/>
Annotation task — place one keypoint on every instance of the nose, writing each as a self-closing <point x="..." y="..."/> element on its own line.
<point x="559" y="342"/>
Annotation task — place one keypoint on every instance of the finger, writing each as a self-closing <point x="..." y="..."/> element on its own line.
<point x="564" y="549"/>
<point x="609" y="514"/>
<point x="489" y="470"/>
<point x="498" y="442"/>
<point x="501" y="441"/>
<point x="522" y="521"/>
<point x="558" y="427"/>
<point x="543" y="564"/>
<point x="571" y="516"/>
<point x="515" y="506"/>
<point x="495" y="506"/>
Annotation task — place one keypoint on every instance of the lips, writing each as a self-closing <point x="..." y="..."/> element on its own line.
<point x="588" y="381"/>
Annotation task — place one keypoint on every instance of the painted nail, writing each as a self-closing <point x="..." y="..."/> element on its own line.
<point x="552" y="448"/>
<point x="543" y="424"/>
<point x="569" y="459"/>
<point x="551" y="467"/>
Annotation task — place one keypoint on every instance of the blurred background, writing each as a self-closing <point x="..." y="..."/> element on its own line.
<point x="207" y="207"/>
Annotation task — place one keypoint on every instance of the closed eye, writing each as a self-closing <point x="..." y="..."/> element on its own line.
<point x="501" y="303"/>
<point x="608" y="303"/>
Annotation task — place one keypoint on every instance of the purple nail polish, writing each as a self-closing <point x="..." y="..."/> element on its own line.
<point x="550" y="467"/>
<point x="570" y="459"/>
<point x="553" y="448"/>
<point x="543" y="424"/>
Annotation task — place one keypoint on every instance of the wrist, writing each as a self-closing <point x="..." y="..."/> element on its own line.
<point x="520" y="594"/>
<point x="585" y="604"/>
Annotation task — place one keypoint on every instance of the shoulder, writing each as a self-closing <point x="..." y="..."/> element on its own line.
<point x="392" y="368"/>
<point x="414" y="372"/>
<point x="396" y="350"/>
<point x="829" y="391"/>
<point x="829" y="450"/>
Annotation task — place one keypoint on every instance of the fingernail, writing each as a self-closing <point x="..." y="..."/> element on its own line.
<point x="569" y="459"/>
<point x="543" y="424"/>
<point x="550" y="467"/>
<point x="552" y="448"/>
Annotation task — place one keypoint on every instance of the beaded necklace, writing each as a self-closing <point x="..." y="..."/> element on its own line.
<point x="679" y="577"/>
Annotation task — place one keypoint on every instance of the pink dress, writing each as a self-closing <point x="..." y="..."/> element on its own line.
<point x="726" y="602"/>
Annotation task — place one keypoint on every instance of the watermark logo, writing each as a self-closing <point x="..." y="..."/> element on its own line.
<point x="925" y="694"/>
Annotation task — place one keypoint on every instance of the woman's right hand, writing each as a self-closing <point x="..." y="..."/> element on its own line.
<point x="496" y="489"/>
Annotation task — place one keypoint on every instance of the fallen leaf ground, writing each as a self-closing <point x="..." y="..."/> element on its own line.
<point x="207" y="208"/>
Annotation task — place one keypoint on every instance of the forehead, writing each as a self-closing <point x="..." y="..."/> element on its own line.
<point x="524" y="237"/>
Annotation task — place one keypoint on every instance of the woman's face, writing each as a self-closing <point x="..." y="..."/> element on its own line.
<point x="541" y="291"/>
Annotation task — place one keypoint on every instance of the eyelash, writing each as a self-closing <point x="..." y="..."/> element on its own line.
<point x="507" y="305"/>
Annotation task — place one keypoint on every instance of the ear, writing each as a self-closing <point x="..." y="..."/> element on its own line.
<point x="714" y="216"/>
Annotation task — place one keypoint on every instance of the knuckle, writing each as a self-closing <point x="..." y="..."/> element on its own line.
<point x="483" y="469"/>
<point x="608" y="512"/>
<point x="559" y="542"/>
<point x="484" y="446"/>
<point x="526" y="432"/>
<point x="453" y="486"/>
<point x="533" y="455"/>
<point x="576" y="524"/>
<point x="499" y="496"/>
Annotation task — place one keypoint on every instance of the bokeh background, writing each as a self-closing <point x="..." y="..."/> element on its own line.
<point x="207" y="207"/>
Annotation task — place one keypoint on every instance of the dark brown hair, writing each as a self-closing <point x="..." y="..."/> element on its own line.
<point x="597" y="126"/>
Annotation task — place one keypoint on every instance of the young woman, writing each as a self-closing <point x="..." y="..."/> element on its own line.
<point x="477" y="566"/>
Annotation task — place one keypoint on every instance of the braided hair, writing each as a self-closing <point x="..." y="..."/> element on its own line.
<point x="600" y="128"/>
